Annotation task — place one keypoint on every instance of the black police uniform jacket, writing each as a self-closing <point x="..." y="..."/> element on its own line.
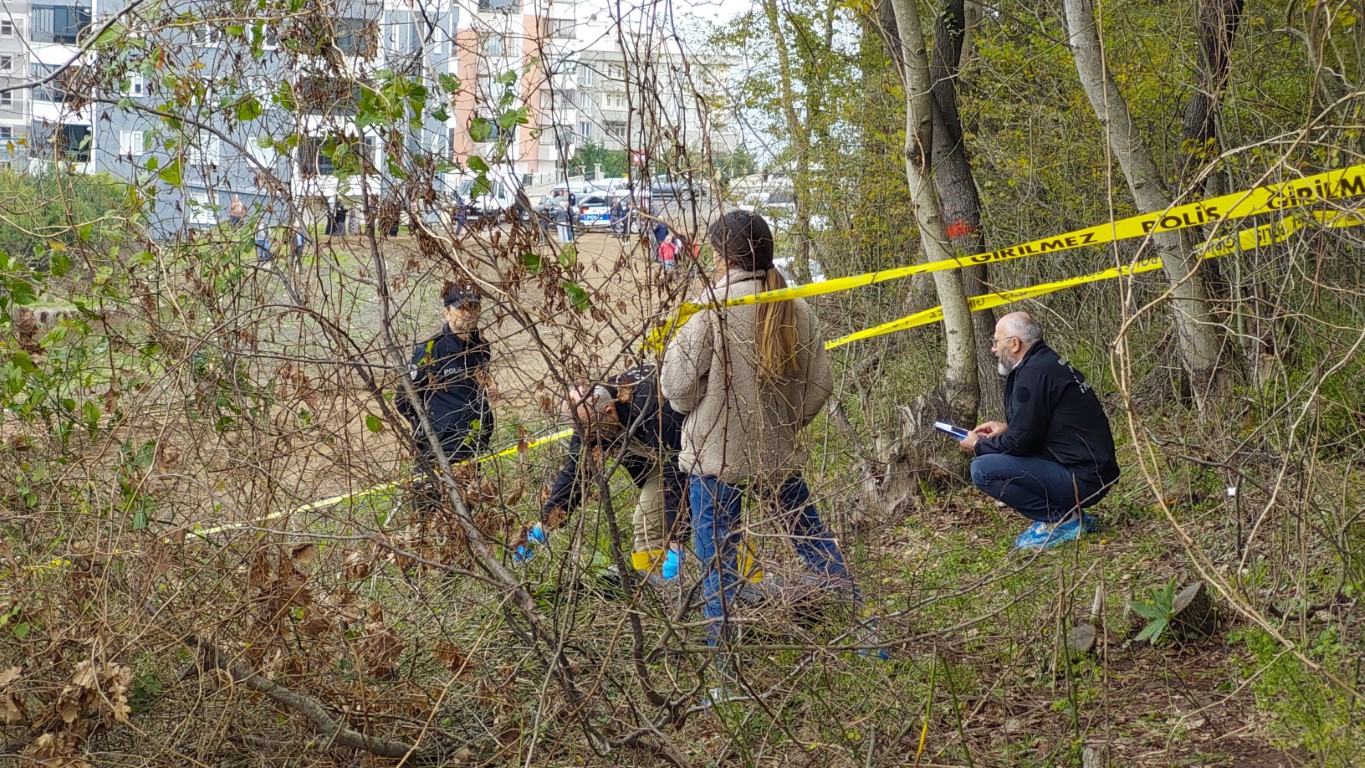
<point x="443" y="372"/>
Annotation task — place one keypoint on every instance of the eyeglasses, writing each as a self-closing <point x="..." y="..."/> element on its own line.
<point x="995" y="342"/>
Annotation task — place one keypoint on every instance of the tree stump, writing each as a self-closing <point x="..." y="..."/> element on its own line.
<point x="1192" y="613"/>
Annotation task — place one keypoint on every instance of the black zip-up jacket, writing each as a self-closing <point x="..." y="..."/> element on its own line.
<point x="652" y="423"/>
<point x="443" y="372"/>
<point x="1052" y="412"/>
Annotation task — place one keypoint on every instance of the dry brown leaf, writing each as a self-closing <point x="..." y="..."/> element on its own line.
<point x="357" y="566"/>
<point x="303" y="554"/>
<point x="452" y="658"/>
<point x="315" y="626"/>
<point x="10" y="675"/>
<point x="12" y="710"/>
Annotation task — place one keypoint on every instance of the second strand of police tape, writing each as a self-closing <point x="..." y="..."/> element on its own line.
<point x="1246" y="239"/>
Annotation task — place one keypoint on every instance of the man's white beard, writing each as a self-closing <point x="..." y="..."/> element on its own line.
<point x="1002" y="369"/>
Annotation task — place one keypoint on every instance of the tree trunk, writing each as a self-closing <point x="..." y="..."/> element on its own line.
<point x="1198" y="339"/>
<point x="955" y="182"/>
<point x="960" y="382"/>
<point x="799" y="136"/>
<point x="1218" y="21"/>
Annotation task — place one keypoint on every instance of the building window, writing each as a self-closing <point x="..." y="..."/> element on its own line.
<point x="403" y="32"/>
<point x="136" y="85"/>
<point x="616" y="101"/>
<point x="504" y="6"/>
<point x="203" y="150"/>
<point x="73" y="142"/>
<point x="559" y="29"/>
<point x="204" y="34"/>
<point x="585" y="129"/>
<point x="6" y="134"/>
<point x="6" y="98"/>
<point x="586" y="76"/>
<point x="494" y="46"/>
<point x="202" y="208"/>
<point x="7" y="63"/>
<point x="130" y="143"/>
<point x="616" y="128"/>
<point x="547" y="136"/>
<point x="58" y="23"/>
<point x="7" y="28"/>
<point x="616" y="72"/>
<point x="355" y="36"/>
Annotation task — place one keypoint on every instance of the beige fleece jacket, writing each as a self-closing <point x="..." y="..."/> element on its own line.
<point x="736" y="429"/>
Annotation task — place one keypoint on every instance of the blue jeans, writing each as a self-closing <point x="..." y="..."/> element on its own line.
<point x="715" y="523"/>
<point x="1038" y="488"/>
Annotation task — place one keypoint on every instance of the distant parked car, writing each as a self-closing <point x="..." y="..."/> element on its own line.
<point x="677" y="187"/>
<point x="786" y="263"/>
<point x="594" y="211"/>
<point x="779" y="208"/>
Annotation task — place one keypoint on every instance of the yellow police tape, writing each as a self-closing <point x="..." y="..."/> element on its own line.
<point x="334" y="500"/>
<point x="1247" y="239"/>
<point x="518" y="448"/>
<point x="1330" y="185"/>
<point x="1237" y="205"/>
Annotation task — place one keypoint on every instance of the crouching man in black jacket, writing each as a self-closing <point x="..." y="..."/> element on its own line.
<point x="625" y="416"/>
<point x="1054" y="457"/>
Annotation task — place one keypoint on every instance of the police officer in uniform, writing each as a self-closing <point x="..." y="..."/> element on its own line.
<point x="450" y="374"/>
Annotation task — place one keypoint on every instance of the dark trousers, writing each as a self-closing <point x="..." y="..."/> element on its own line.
<point x="1037" y="488"/>
<point x="716" y="525"/>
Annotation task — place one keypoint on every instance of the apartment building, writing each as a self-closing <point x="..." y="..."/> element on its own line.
<point x="48" y="122"/>
<point x="14" y="113"/>
<point x="561" y="65"/>
<point x="642" y="94"/>
<point x="240" y="140"/>
<point x="583" y="76"/>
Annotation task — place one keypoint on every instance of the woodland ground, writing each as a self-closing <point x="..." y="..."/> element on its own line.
<point x="978" y="674"/>
<point x="975" y="627"/>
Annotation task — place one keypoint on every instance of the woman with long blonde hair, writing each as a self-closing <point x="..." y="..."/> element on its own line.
<point x="749" y="378"/>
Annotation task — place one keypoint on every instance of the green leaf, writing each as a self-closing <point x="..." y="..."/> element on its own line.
<point x="171" y="173"/>
<point x="477" y="164"/>
<point x="23" y="361"/>
<point x="568" y="256"/>
<point x="577" y="295"/>
<point x="449" y="83"/>
<point x="512" y="118"/>
<point x="1152" y="631"/>
<point x="531" y="261"/>
<point x="508" y="78"/>
<point x="90" y="411"/>
<point x="1148" y="610"/>
<point x="249" y="108"/>
<point x="373" y="423"/>
<point x="21" y="293"/>
<point x="480" y="129"/>
<point x="21" y="630"/>
<point x="140" y="520"/>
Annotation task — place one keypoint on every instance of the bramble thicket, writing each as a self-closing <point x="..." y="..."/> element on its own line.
<point x="208" y="550"/>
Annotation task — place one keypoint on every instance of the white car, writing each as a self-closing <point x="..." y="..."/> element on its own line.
<point x="594" y="211"/>
<point x="785" y="265"/>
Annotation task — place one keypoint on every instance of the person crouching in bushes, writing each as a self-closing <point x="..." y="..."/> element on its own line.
<point x="450" y="373"/>
<point x="625" y="416"/>
<point x="749" y="378"/>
